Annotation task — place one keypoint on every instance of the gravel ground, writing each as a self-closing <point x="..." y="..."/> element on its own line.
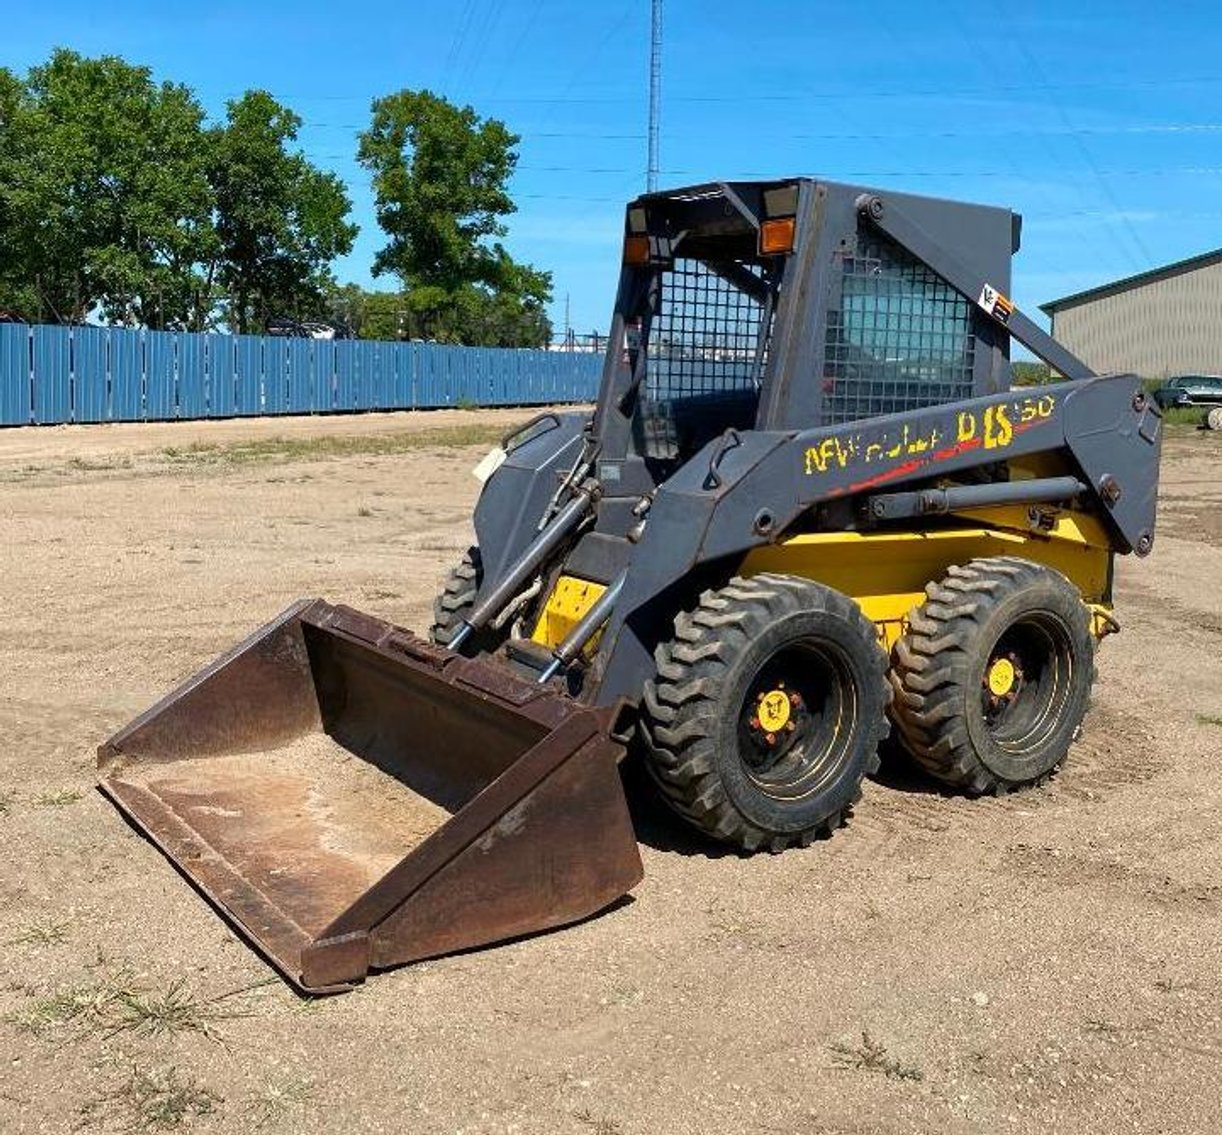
<point x="1049" y="961"/>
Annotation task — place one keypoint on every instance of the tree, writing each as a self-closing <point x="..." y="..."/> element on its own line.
<point x="279" y="220"/>
<point x="369" y="315"/>
<point x="1030" y="373"/>
<point x="440" y="178"/>
<point x="104" y="201"/>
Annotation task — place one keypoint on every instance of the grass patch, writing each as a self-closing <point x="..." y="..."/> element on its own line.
<point x="83" y="1007"/>
<point x="363" y="511"/>
<point x="59" y="798"/>
<point x="7" y="800"/>
<point x="155" y="1100"/>
<point x="120" y="1003"/>
<point x="100" y="464"/>
<point x="42" y="934"/>
<point x="277" y="1099"/>
<point x="1209" y="719"/>
<point x="872" y="1056"/>
<point x="1185" y="415"/>
<point x="175" y="1010"/>
<point x="188" y="451"/>
<point x="600" y="1125"/>
<point x="281" y="449"/>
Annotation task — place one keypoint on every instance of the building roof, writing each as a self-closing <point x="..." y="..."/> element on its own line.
<point x="1204" y="260"/>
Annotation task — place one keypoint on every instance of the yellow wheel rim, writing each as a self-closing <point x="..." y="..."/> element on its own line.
<point x="774" y="710"/>
<point x="1001" y="677"/>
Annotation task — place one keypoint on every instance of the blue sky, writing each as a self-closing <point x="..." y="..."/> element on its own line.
<point x="1100" y="122"/>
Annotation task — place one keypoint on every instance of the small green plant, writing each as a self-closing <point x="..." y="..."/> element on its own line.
<point x="175" y="1010"/>
<point x="872" y="1056"/>
<point x="1209" y="719"/>
<point x="465" y="403"/>
<point x="364" y="511"/>
<point x="195" y="449"/>
<point x="58" y="798"/>
<point x="277" y="1099"/>
<point x="84" y="1007"/>
<point x="119" y="1003"/>
<point x="44" y="934"/>
<point x="7" y="800"/>
<point x="100" y="465"/>
<point x="155" y="1100"/>
<point x="600" y="1125"/>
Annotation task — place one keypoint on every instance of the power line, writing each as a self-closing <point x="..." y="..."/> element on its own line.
<point x="1170" y="128"/>
<point x="512" y="55"/>
<point x="855" y="95"/>
<point x="1125" y="223"/>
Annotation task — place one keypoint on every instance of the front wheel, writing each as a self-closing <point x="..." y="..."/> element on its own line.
<point x="766" y="711"/>
<point x="454" y="603"/>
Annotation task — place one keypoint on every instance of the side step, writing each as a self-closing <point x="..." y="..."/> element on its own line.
<point x="352" y="798"/>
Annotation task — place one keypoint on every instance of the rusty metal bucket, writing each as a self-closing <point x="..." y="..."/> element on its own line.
<point x="351" y="797"/>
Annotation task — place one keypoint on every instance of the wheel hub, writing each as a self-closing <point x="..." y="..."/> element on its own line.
<point x="1001" y="677"/>
<point x="1003" y="684"/>
<point x="774" y="716"/>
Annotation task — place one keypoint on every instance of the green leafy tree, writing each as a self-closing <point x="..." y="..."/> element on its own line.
<point x="104" y="202"/>
<point x="440" y="176"/>
<point x="368" y="315"/>
<point x="1030" y="373"/>
<point x="280" y="221"/>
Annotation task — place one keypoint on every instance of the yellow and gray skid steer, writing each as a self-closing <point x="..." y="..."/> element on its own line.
<point x="807" y="510"/>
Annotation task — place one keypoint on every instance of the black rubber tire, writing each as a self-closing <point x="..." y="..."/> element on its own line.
<point x="977" y="613"/>
<point x="694" y="715"/>
<point x="454" y="603"/>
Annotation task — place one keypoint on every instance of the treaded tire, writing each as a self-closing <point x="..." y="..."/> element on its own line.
<point x="945" y="712"/>
<point x="704" y="744"/>
<point x="454" y="603"/>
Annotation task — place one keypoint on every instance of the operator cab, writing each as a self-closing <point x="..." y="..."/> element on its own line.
<point x="705" y="326"/>
<point x="770" y="305"/>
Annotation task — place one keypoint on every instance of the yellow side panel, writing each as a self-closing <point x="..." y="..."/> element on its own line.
<point x="886" y="572"/>
<point x="570" y="599"/>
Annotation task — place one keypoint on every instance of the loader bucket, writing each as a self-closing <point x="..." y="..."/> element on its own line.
<point x="351" y="797"/>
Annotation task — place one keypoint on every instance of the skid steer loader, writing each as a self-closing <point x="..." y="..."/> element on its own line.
<point x="808" y="508"/>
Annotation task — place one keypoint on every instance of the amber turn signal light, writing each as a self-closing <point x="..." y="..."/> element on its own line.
<point x="776" y="236"/>
<point x="636" y="249"/>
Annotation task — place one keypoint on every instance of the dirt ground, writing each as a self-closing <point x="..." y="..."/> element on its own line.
<point x="1051" y="961"/>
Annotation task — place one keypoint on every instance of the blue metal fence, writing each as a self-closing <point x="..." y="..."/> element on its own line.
<point x="51" y="375"/>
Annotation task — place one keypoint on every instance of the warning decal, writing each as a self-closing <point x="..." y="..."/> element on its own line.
<point x="995" y="304"/>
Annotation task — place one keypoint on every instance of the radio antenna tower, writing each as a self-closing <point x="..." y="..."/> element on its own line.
<point x="655" y="93"/>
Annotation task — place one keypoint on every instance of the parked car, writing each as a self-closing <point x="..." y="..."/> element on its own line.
<point x="1190" y="390"/>
<point x="307" y="329"/>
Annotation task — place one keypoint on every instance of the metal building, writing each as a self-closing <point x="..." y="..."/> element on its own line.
<point x="1159" y="323"/>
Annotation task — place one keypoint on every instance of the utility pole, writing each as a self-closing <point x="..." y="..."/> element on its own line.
<point x="655" y="93"/>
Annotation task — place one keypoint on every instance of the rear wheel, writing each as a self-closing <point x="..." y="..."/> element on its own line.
<point x="993" y="678"/>
<point x="454" y="603"/>
<point x="766" y="711"/>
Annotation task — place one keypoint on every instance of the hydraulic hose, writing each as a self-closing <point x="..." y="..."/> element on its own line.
<point x="543" y="545"/>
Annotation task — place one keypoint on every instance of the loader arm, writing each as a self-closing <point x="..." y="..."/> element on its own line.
<point x="891" y="219"/>
<point x="748" y="491"/>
